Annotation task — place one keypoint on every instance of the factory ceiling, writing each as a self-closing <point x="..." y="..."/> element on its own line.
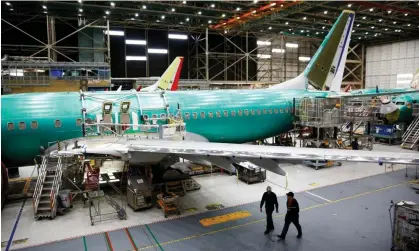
<point x="376" y="21"/>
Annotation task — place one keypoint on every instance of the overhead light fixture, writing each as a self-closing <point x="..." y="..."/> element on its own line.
<point x="254" y="11"/>
<point x="199" y="13"/>
<point x="224" y="23"/>
<point x="291" y="45"/>
<point x="255" y="1"/>
<point x="375" y="34"/>
<point x="79" y="15"/>
<point x="302" y="31"/>
<point x="317" y="33"/>
<point x="325" y="12"/>
<point x="349" y="5"/>
<point x="238" y="8"/>
<point x="144" y="7"/>
<point x="223" y="15"/>
<point x="386" y="29"/>
<point x="187" y="19"/>
<point x="163" y="17"/>
<point x="372" y="27"/>
<point x="394" y="22"/>
<point x="104" y="16"/>
<point x="209" y="21"/>
<point x="112" y="4"/>
<point x="304" y="59"/>
<point x="273" y="4"/>
<point x="178" y="36"/>
<point x="181" y="23"/>
<point x="364" y="18"/>
<point x="157" y="21"/>
<point x="115" y="33"/>
<point x="270" y="28"/>
<point x="261" y="30"/>
<point x="212" y="5"/>
<point x="107" y="12"/>
<point x="45" y="7"/>
<point x="380" y="20"/>
<point x="304" y="18"/>
<point x="277" y="50"/>
<point x="80" y="1"/>
<point x="366" y="33"/>
<point x="136" y="14"/>
<point x="357" y="25"/>
<point x="7" y="3"/>
<point x="136" y="58"/>
<point x="80" y="10"/>
<point x="173" y="9"/>
<point x="184" y="2"/>
<point x="157" y="51"/>
<point x="282" y="5"/>
<point x="135" y="41"/>
<point x="371" y="9"/>
<point x="286" y="23"/>
<point x="405" y="14"/>
<point x="132" y="19"/>
<point x="263" y="56"/>
<point x="260" y="42"/>
<point x="389" y="11"/>
<point x="323" y="27"/>
<point x="353" y="30"/>
<point x="408" y="24"/>
<point x="45" y="12"/>
<point x="238" y="17"/>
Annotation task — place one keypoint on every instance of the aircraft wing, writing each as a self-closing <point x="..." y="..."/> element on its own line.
<point x="224" y="155"/>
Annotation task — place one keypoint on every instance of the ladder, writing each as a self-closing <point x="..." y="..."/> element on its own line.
<point x="411" y="136"/>
<point x="47" y="188"/>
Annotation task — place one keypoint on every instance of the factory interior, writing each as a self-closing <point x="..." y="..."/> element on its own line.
<point x="209" y="125"/>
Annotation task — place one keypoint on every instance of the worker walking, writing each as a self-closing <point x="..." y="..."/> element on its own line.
<point x="271" y="202"/>
<point x="355" y="144"/>
<point x="292" y="216"/>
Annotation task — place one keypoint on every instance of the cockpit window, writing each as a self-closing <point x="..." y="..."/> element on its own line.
<point x="400" y="103"/>
<point x="10" y="126"/>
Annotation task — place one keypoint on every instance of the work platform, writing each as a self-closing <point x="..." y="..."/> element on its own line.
<point x="348" y="216"/>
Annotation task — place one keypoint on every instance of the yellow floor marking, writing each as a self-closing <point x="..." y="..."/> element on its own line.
<point x="224" y="218"/>
<point x="263" y="219"/>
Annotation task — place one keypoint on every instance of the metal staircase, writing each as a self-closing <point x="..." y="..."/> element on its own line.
<point x="411" y="136"/>
<point x="47" y="188"/>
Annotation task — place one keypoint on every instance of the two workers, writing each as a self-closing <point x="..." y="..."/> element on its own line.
<point x="270" y="200"/>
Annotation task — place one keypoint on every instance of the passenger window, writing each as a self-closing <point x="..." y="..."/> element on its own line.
<point x="57" y="123"/>
<point x="258" y="111"/>
<point x="210" y="115"/>
<point x="281" y="110"/>
<point x="265" y="111"/>
<point x="22" y="125"/>
<point x="286" y="110"/>
<point x="218" y="114"/>
<point x="154" y="116"/>
<point x="195" y="115"/>
<point x="233" y="113"/>
<point x="145" y="116"/>
<point x="246" y="112"/>
<point x="163" y="116"/>
<point x="225" y="113"/>
<point x="240" y="113"/>
<point x="253" y="112"/>
<point x="34" y="124"/>
<point x="276" y="111"/>
<point x="78" y="122"/>
<point x="270" y="110"/>
<point x="202" y="115"/>
<point x="10" y="126"/>
<point x="186" y="115"/>
<point x="89" y="121"/>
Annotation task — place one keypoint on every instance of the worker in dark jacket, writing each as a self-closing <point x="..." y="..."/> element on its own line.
<point x="270" y="201"/>
<point x="292" y="216"/>
<point x="354" y="144"/>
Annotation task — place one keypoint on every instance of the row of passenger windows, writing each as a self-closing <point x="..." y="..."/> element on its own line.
<point x="233" y="113"/>
<point x="34" y="124"/>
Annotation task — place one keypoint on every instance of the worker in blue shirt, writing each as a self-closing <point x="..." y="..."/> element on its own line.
<point x="271" y="202"/>
<point x="293" y="210"/>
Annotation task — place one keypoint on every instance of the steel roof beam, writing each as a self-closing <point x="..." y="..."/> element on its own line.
<point x="386" y="7"/>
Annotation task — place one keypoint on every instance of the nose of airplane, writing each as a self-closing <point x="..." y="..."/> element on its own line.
<point x="387" y="106"/>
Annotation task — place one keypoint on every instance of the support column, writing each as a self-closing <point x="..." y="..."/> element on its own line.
<point x="247" y="57"/>
<point x="206" y="55"/>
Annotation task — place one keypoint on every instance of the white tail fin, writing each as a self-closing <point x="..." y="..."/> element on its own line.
<point x="327" y="66"/>
<point x="170" y="78"/>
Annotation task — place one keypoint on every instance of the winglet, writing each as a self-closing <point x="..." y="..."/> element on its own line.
<point x="119" y="88"/>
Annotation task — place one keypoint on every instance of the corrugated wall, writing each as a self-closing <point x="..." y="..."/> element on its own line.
<point x="385" y="62"/>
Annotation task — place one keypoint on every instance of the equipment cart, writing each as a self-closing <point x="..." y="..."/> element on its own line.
<point x="250" y="173"/>
<point x="405" y="226"/>
<point x="169" y="203"/>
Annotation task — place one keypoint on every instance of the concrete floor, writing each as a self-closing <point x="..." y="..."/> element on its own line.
<point x="216" y="188"/>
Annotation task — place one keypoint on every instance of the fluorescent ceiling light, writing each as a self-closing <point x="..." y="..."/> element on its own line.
<point x="136" y="58"/>
<point x="187" y="19"/>
<point x="144" y="7"/>
<point x="238" y="17"/>
<point x="212" y="5"/>
<point x="79" y="1"/>
<point x="173" y="9"/>
<point x="184" y="2"/>
<point x="349" y="5"/>
<point x="7" y="3"/>
<point x="270" y="28"/>
<point x="209" y="21"/>
<point x="277" y="50"/>
<point x="371" y="9"/>
<point x="255" y="1"/>
<point x="304" y="18"/>
<point x="157" y="51"/>
<point x="259" y="42"/>
<point x="45" y="7"/>
<point x="291" y="45"/>
<point x="136" y="41"/>
<point x="238" y="8"/>
<point x="273" y="4"/>
<point x="199" y="13"/>
<point x="79" y="15"/>
<point x="80" y="10"/>
<point x="163" y="17"/>
<point x="286" y="23"/>
<point x="107" y="12"/>
<point x="115" y="33"/>
<point x="178" y="36"/>
<point x="223" y="15"/>
<point x="325" y="12"/>
<point x="304" y="59"/>
<point x="112" y="4"/>
<point x="136" y="14"/>
<point x="263" y="56"/>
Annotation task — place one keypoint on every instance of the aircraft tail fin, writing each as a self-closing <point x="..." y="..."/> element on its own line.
<point x="327" y="66"/>
<point x="170" y="78"/>
<point x="415" y="81"/>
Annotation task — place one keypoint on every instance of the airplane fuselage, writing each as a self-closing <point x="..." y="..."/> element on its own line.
<point x="32" y="120"/>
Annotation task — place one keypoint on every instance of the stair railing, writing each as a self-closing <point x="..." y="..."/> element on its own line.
<point x="56" y="186"/>
<point x="413" y="125"/>
<point x="39" y="183"/>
